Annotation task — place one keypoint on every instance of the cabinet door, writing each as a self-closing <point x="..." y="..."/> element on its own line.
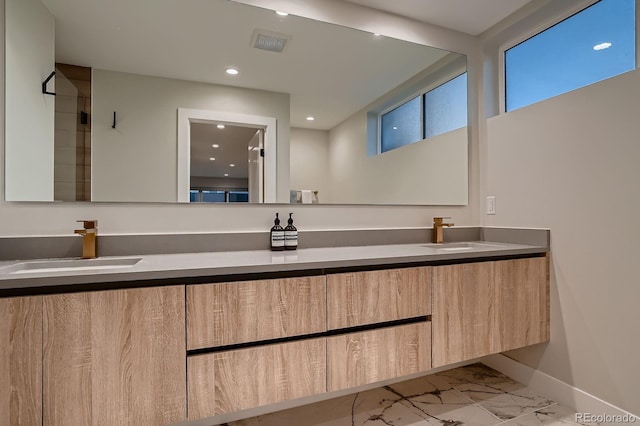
<point x="228" y="313"/>
<point x="361" y="298"/>
<point x="236" y="380"/>
<point x="21" y="361"/>
<point x="489" y="307"/>
<point x="523" y="318"/>
<point x="115" y="357"/>
<point x="360" y="358"/>
<point x="464" y="312"/>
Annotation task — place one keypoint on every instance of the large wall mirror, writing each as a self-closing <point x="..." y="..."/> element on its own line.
<point x="146" y="110"/>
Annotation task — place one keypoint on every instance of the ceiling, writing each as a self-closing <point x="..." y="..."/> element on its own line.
<point x="232" y="148"/>
<point x="329" y="71"/>
<point x="468" y="16"/>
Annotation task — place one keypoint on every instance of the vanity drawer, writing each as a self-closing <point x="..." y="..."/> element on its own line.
<point x="229" y="381"/>
<point x="360" y="358"/>
<point x="249" y="311"/>
<point x="361" y="298"/>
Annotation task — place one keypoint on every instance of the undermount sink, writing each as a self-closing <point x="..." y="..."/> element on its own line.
<point x="69" y="265"/>
<point x="455" y="247"/>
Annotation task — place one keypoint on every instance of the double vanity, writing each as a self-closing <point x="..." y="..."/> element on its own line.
<point x="169" y="338"/>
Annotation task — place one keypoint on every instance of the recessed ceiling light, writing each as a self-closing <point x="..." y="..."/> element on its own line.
<point x="226" y="174"/>
<point x="310" y="118"/>
<point x="220" y="126"/>
<point x="231" y="71"/>
<point x="395" y="128"/>
<point x="282" y="13"/>
<point x="212" y="158"/>
<point x="215" y="145"/>
<point x="602" y="46"/>
<point x="232" y="165"/>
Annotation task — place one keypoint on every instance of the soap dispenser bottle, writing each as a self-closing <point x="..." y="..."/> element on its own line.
<point x="277" y="235"/>
<point x="290" y="235"/>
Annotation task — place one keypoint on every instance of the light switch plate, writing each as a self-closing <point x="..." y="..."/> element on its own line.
<point x="491" y="204"/>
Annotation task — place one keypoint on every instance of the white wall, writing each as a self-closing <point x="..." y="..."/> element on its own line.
<point x="29" y="112"/>
<point x="129" y="218"/>
<point x="433" y="171"/>
<point x="137" y="161"/>
<point x="310" y="161"/>
<point x="571" y="164"/>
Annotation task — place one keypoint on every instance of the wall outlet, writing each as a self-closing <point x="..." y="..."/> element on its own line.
<point x="491" y="204"/>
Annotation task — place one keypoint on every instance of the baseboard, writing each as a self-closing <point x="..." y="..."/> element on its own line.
<point x="557" y="390"/>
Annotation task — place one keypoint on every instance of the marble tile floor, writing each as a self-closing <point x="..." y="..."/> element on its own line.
<point x="474" y="395"/>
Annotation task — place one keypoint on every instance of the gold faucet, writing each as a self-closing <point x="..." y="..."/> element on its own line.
<point x="89" y="238"/>
<point x="438" y="235"/>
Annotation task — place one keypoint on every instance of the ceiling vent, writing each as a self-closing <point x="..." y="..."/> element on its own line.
<point x="268" y="40"/>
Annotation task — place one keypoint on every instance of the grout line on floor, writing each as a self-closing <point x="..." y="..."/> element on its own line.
<point x="500" y="421"/>
<point x="528" y="414"/>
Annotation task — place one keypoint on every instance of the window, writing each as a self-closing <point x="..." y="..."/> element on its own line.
<point x="238" y="196"/>
<point x="218" y="196"/>
<point x="212" y="196"/>
<point x="437" y="111"/>
<point x="445" y="107"/>
<point x="592" y="45"/>
<point x="401" y="126"/>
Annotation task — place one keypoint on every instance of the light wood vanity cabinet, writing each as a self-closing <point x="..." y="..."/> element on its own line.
<point x="234" y="380"/>
<point x="360" y="298"/>
<point x="230" y="313"/>
<point x="223" y="314"/>
<point x="115" y="357"/>
<point x="371" y="356"/>
<point x="489" y="307"/>
<point x="21" y="361"/>
<point x="158" y="355"/>
<point x="372" y="297"/>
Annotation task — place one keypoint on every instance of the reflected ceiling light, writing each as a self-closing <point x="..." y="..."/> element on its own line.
<point x="231" y="71"/>
<point x="376" y="34"/>
<point x="215" y="145"/>
<point x="602" y="46"/>
<point x="310" y="118"/>
<point x="220" y="126"/>
<point x="395" y="128"/>
<point x="226" y="174"/>
<point x="282" y="13"/>
<point x="232" y="165"/>
<point x="212" y="158"/>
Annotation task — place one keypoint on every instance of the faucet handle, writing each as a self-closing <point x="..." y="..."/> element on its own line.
<point x="88" y="224"/>
<point x="439" y="219"/>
